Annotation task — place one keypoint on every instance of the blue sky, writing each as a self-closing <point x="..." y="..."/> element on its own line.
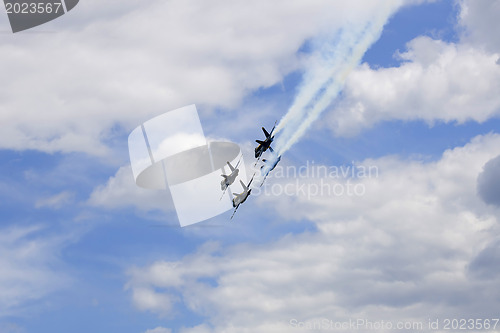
<point x="85" y="250"/>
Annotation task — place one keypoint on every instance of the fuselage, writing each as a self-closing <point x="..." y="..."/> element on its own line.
<point x="229" y="180"/>
<point x="264" y="145"/>
<point x="273" y="165"/>
<point x="261" y="148"/>
<point x="240" y="198"/>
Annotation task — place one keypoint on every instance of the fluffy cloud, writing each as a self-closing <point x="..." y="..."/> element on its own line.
<point x="409" y="249"/>
<point x="486" y="265"/>
<point x="56" y="201"/>
<point x="159" y="330"/>
<point x="110" y="66"/>
<point x="479" y="19"/>
<point x="148" y="299"/>
<point x="437" y="81"/>
<point x="488" y="182"/>
<point x="121" y="191"/>
<point x="28" y="264"/>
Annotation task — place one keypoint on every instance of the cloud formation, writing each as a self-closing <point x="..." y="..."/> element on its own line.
<point x="159" y="330"/>
<point x="479" y="21"/>
<point x="56" y="201"/>
<point x="29" y="267"/>
<point x="401" y="252"/>
<point x="488" y="182"/>
<point x="120" y="191"/>
<point x="109" y="67"/>
<point x="437" y="81"/>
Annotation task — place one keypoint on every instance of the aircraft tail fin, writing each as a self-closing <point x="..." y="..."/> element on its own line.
<point x="265" y="132"/>
<point x="259" y="142"/>
<point x="230" y="166"/>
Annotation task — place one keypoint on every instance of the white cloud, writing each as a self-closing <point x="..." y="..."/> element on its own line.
<point x="159" y="330"/>
<point x="479" y="18"/>
<point x="438" y="81"/>
<point x="203" y="328"/>
<point x="121" y="63"/>
<point x="29" y="267"/>
<point x="402" y="251"/>
<point x="488" y="182"/>
<point x="148" y="299"/>
<point x="55" y="201"/>
<point x="11" y="328"/>
<point x="121" y="191"/>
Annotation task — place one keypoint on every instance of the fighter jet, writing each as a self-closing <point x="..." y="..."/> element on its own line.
<point x="272" y="166"/>
<point x="264" y="145"/>
<point x="229" y="179"/>
<point x="240" y="198"/>
<point x="275" y="162"/>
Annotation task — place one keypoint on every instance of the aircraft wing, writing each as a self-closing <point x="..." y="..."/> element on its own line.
<point x="265" y="132"/>
<point x="274" y="126"/>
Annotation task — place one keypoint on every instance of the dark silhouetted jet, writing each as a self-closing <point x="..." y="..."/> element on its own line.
<point x="264" y="145"/>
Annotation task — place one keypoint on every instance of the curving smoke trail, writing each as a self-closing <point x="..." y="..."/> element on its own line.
<point x="332" y="61"/>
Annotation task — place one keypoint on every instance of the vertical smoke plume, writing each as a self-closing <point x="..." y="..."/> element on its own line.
<point x="333" y="58"/>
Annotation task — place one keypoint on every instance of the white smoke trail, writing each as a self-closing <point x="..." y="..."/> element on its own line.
<point x="334" y="58"/>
